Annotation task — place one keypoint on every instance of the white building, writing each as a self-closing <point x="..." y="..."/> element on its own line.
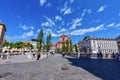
<point x="118" y="42"/>
<point x="95" y="45"/>
<point x="34" y="43"/>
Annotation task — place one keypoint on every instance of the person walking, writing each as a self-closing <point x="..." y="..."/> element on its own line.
<point x="106" y="55"/>
<point x="38" y="55"/>
<point x="113" y="55"/>
<point x="98" y="55"/>
<point x="101" y="55"/>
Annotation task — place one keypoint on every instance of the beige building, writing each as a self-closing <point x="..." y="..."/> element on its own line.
<point x="2" y="32"/>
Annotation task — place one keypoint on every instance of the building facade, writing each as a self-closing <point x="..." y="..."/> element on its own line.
<point x="2" y="32"/>
<point x="96" y="45"/>
<point x="53" y="48"/>
<point x="63" y="38"/>
<point x="118" y="42"/>
<point x="34" y="43"/>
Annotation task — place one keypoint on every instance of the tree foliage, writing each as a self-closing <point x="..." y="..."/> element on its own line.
<point x="12" y="45"/>
<point x="63" y="47"/>
<point x="6" y="43"/>
<point x="40" y="40"/>
<point x="59" y="49"/>
<point x="67" y="45"/>
<point x="48" y="42"/>
<point x="71" y="46"/>
<point x="18" y="45"/>
<point x="76" y="48"/>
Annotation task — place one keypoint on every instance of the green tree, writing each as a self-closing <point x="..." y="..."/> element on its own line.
<point x="63" y="47"/>
<point x="29" y="46"/>
<point x="76" y="48"/>
<point x="71" y="47"/>
<point x="59" y="49"/>
<point x="6" y="43"/>
<point x="32" y="47"/>
<point x="67" y="45"/>
<point x="20" y="44"/>
<point x="48" y="42"/>
<point x="40" y="40"/>
<point x="12" y="45"/>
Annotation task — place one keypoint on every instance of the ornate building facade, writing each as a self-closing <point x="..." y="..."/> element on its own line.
<point x="63" y="38"/>
<point x="95" y="45"/>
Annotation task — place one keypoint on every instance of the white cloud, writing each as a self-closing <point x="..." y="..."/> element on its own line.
<point x="47" y="31"/>
<point x="83" y="31"/>
<point x="45" y="24"/>
<point x="111" y="25"/>
<point x="38" y="30"/>
<point x="117" y="25"/>
<point x="98" y="20"/>
<point x="65" y="7"/>
<point x="58" y="18"/>
<point x="119" y="14"/>
<point x="68" y="11"/>
<point x="83" y="14"/>
<point x="101" y="9"/>
<point x="27" y="34"/>
<point x="32" y="27"/>
<point x="62" y="30"/>
<point x="48" y="5"/>
<point x="89" y="11"/>
<point x="71" y="1"/>
<point x="63" y="23"/>
<point x="76" y="22"/>
<point x="48" y="23"/>
<point x="42" y="2"/>
<point x="25" y="27"/>
<point x="55" y="35"/>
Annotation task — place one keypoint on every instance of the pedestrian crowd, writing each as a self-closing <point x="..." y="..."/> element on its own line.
<point x="116" y="56"/>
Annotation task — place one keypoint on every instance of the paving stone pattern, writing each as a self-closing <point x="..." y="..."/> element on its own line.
<point x="51" y="68"/>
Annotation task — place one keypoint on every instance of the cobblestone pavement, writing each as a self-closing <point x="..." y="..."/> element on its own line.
<point x="18" y="59"/>
<point x="51" y="68"/>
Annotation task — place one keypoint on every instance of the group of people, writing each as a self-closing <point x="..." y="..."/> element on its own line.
<point x="113" y="55"/>
<point x="47" y="53"/>
<point x="100" y="55"/>
<point x="4" y="56"/>
<point x="116" y="56"/>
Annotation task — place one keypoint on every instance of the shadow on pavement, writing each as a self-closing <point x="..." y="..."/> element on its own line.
<point x="106" y="69"/>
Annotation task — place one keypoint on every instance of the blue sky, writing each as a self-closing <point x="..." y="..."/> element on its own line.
<point x="78" y="18"/>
